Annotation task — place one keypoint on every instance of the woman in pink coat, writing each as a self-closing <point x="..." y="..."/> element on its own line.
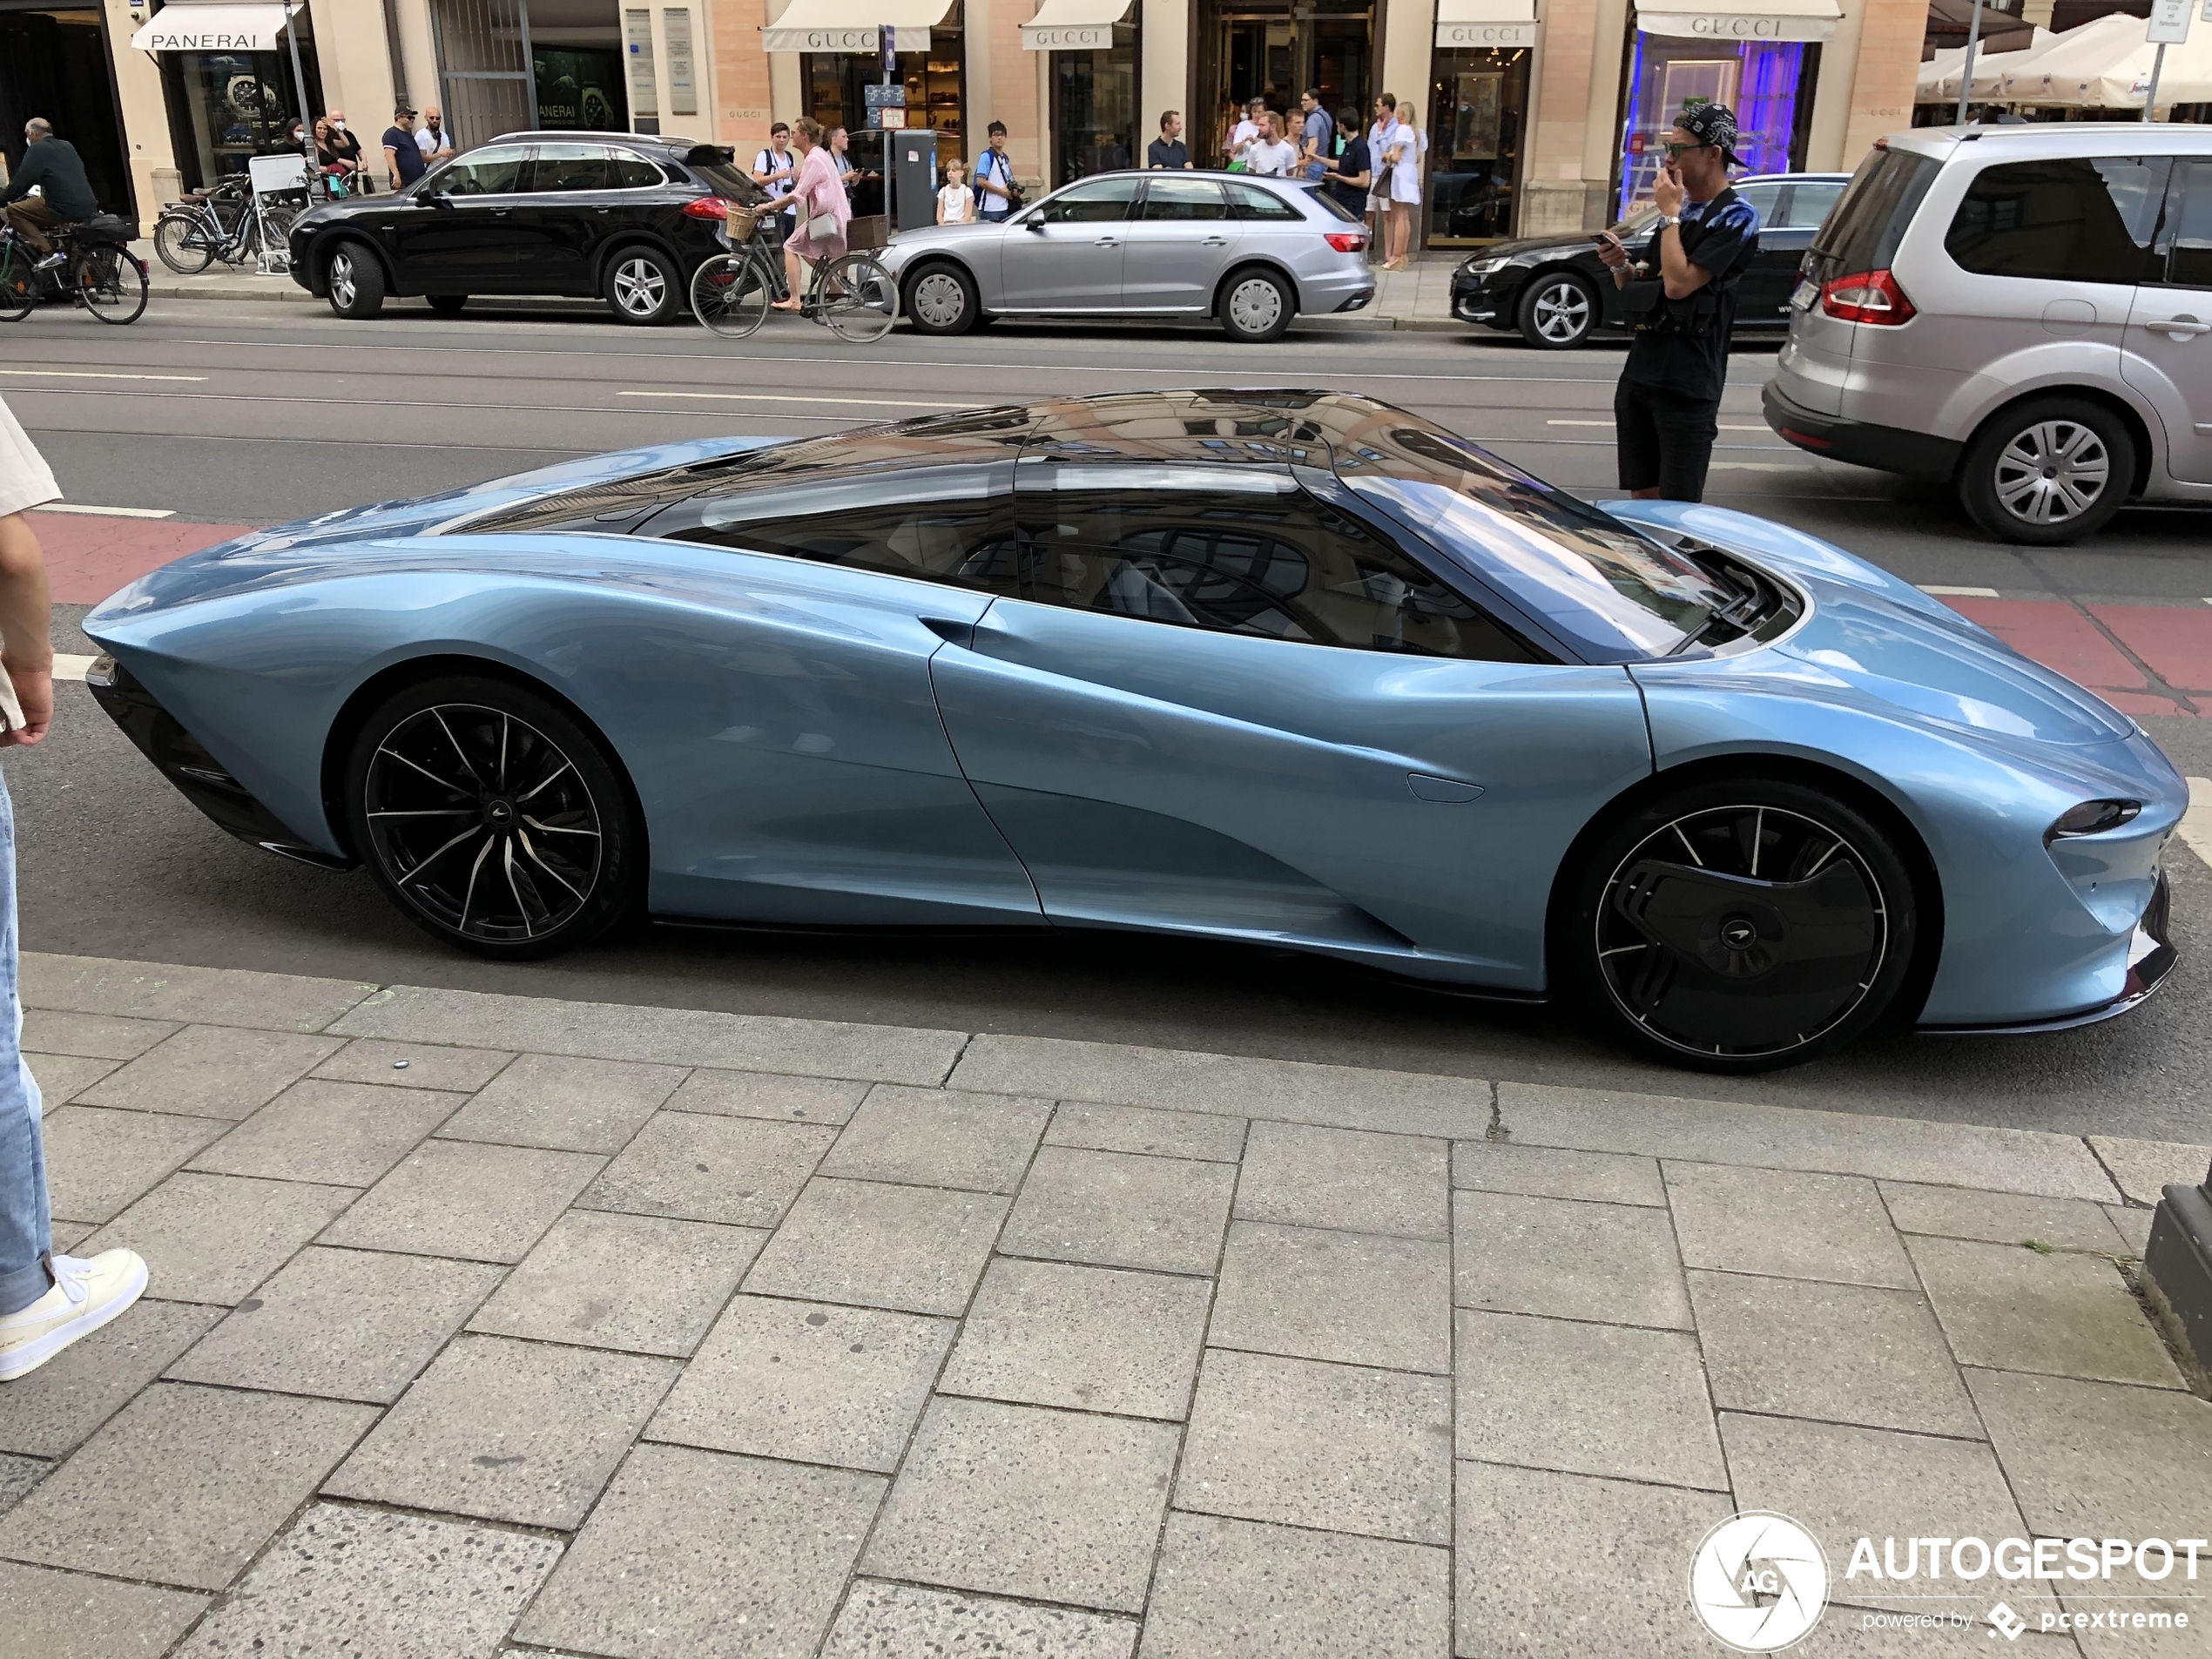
<point x="820" y="192"/>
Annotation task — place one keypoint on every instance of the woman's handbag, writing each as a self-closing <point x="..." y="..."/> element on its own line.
<point x="822" y="228"/>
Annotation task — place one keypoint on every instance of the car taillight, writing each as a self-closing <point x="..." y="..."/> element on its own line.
<point x="1865" y="296"/>
<point x="707" y="208"/>
<point x="1346" y="241"/>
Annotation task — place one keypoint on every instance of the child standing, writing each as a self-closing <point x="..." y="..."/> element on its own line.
<point x="955" y="202"/>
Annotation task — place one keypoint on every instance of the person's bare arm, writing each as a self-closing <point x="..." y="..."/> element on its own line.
<point x="26" y="624"/>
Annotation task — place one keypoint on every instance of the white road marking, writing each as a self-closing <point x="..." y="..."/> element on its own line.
<point x="108" y="512"/>
<point x="1959" y="593"/>
<point x="1760" y="465"/>
<point x="91" y="374"/>
<point x="1725" y="425"/>
<point x="858" y="398"/>
<point x="2196" y="823"/>
<point x="70" y="666"/>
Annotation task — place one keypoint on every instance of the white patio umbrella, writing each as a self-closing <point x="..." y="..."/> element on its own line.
<point x="1928" y="88"/>
<point x="2106" y="64"/>
<point x="1990" y="68"/>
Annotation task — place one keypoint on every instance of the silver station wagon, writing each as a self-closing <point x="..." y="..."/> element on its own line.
<point x="1249" y="253"/>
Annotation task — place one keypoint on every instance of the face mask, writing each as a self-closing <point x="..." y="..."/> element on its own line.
<point x="337" y="127"/>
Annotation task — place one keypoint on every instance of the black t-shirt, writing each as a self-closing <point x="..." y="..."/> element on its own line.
<point x="1165" y="152"/>
<point x="1693" y="362"/>
<point x="1355" y="160"/>
<point x="406" y="154"/>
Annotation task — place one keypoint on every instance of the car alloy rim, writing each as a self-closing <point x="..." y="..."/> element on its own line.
<point x="1254" y="305"/>
<point x="939" y="298"/>
<point x="341" y="279"/>
<point x="638" y="288"/>
<point x="1742" y="931"/>
<point x="483" y="822"/>
<point x="1562" y="312"/>
<point x="2052" y="472"/>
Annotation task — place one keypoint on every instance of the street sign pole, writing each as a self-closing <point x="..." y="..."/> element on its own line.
<point x="1966" y="69"/>
<point x="2169" y="26"/>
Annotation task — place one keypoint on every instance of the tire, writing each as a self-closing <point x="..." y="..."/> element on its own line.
<point x="1557" y="311"/>
<point x="356" y="282"/>
<point x="729" y="296"/>
<point x="1255" y="305"/>
<point x="18" y="282"/>
<point x="642" y="287"/>
<point x="512" y="853"/>
<point x="941" y="298"/>
<point x="857" y="298"/>
<point x="448" y="305"/>
<point x="2048" y="471"/>
<point x="180" y="240"/>
<point x="1739" y="924"/>
<point x="112" y="285"/>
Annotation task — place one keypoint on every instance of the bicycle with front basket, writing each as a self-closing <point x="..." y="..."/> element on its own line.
<point x="850" y="295"/>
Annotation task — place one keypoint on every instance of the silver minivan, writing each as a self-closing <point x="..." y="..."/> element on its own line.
<point x="2022" y="312"/>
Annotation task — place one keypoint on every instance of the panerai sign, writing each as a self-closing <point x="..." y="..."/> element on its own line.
<point x="1480" y="35"/>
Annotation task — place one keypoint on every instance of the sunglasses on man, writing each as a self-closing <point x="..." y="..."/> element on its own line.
<point x="1673" y="150"/>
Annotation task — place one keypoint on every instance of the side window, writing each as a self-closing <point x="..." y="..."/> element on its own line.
<point x="495" y="172"/>
<point x="1236" y="551"/>
<point x="2069" y="220"/>
<point x="633" y="173"/>
<point x="1183" y="199"/>
<point x="1809" y="200"/>
<point x="569" y="166"/>
<point x="1764" y="198"/>
<point x="1101" y="201"/>
<point x="1250" y="201"/>
<point x="938" y="524"/>
<point x="2187" y="239"/>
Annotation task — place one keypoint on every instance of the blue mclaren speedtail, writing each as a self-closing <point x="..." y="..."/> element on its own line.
<point x="1295" y="668"/>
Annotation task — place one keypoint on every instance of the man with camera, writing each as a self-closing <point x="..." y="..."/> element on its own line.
<point x="1680" y="297"/>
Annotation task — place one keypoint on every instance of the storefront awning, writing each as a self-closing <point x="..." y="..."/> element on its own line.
<point x="192" y="27"/>
<point x="1478" y="24"/>
<point x="1074" y="26"/>
<point x="1743" y="22"/>
<point x="852" y="25"/>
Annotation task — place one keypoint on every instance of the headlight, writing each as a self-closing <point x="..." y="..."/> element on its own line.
<point x="1484" y="267"/>
<point x="2092" y="818"/>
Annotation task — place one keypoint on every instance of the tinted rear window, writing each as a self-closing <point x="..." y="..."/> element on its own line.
<point x="2067" y="220"/>
<point x="1863" y="232"/>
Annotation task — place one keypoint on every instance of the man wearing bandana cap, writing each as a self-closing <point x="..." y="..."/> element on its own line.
<point x="1681" y="293"/>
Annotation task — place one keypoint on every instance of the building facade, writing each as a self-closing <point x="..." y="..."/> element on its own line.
<point x="1539" y="115"/>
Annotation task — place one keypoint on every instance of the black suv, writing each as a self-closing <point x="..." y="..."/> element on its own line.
<point x="625" y="216"/>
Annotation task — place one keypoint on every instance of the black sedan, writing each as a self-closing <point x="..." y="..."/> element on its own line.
<point x="1555" y="291"/>
<point x="618" y="215"/>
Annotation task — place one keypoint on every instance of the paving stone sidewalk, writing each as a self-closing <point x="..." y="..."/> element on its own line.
<point x="489" y="1324"/>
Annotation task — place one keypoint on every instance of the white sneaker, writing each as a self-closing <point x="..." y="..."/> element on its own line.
<point x="83" y="1296"/>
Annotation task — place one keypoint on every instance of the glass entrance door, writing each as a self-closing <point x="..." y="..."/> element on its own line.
<point x="1275" y="51"/>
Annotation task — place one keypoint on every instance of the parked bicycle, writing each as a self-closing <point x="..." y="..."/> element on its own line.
<point x="231" y="223"/>
<point x="97" y="271"/>
<point x="851" y="295"/>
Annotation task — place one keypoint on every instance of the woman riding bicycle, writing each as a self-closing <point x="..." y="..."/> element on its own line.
<point x="822" y="214"/>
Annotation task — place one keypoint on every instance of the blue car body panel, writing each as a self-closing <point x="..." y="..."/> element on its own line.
<point x="814" y="743"/>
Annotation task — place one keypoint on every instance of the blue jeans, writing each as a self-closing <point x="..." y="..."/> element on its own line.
<point x="26" y="1224"/>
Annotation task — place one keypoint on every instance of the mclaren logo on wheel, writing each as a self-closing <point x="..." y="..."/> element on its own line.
<point x="1758" y="1582"/>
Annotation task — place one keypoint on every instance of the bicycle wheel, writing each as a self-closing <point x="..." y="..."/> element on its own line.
<point x="113" y="285"/>
<point x="729" y="296"/>
<point x="18" y="282"/>
<point x="181" y="240"/>
<point x="857" y="298"/>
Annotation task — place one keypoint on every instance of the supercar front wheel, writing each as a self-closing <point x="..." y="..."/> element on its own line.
<point x="1741" y="926"/>
<point x="492" y="817"/>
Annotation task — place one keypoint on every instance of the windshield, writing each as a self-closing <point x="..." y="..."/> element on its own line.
<point x="1612" y="595"/>
<point x="1861" y="231"/>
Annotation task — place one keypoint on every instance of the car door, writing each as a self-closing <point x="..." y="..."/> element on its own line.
<point x="569" y="214"/>
<point x="1066" y="252"/>
<point x="814" y="780"/>
<point x="2168" y="354"/>
<point x="1179" y="244"/>
<point x="456" y="235"/>
<point x="1217" y="705"/>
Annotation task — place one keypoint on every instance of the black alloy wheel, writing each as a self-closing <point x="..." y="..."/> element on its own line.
<point x="1557" y="311"/>
<point x="492" y="819"/>
<point x="1741" y="926"/>
<point x="356" y="281"/>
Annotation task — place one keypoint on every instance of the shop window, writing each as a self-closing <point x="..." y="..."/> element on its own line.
<point x="235" y="105"/>
<point x="1094" y="108"/>
<point x="1769" y="83"/>
<point x="1478" y="100"/>
<point x="936" y="84"/>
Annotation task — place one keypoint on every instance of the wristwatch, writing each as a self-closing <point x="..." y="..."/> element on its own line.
<point x="1666" y="219"/>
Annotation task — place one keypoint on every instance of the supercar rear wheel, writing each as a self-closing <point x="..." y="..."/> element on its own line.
<point x="493" y="818"/>
<point x="1741" y="927"/>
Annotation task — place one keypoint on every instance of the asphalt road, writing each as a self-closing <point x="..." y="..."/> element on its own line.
<point x="240" y="413"/>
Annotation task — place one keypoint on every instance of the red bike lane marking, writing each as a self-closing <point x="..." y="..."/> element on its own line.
<point x="2176" y="640"/>
<point x="88" y="558"/>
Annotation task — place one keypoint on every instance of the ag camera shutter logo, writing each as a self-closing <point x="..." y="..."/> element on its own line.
<point x="1758" y="1582"/>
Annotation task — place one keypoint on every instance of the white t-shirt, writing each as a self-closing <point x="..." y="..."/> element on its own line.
<point x="1242" y="134"/>
<point x="956" y="205"/>
<point x="430" y="143"/>
<point x="768" y="161"/>
<point x="1277" y="160"/>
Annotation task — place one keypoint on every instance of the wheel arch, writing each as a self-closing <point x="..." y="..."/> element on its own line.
<point x="2139" y="430"/>
<point x="338" y="743"/>
<point x="324" y="247"/>
<point x="1767" y="766"/>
